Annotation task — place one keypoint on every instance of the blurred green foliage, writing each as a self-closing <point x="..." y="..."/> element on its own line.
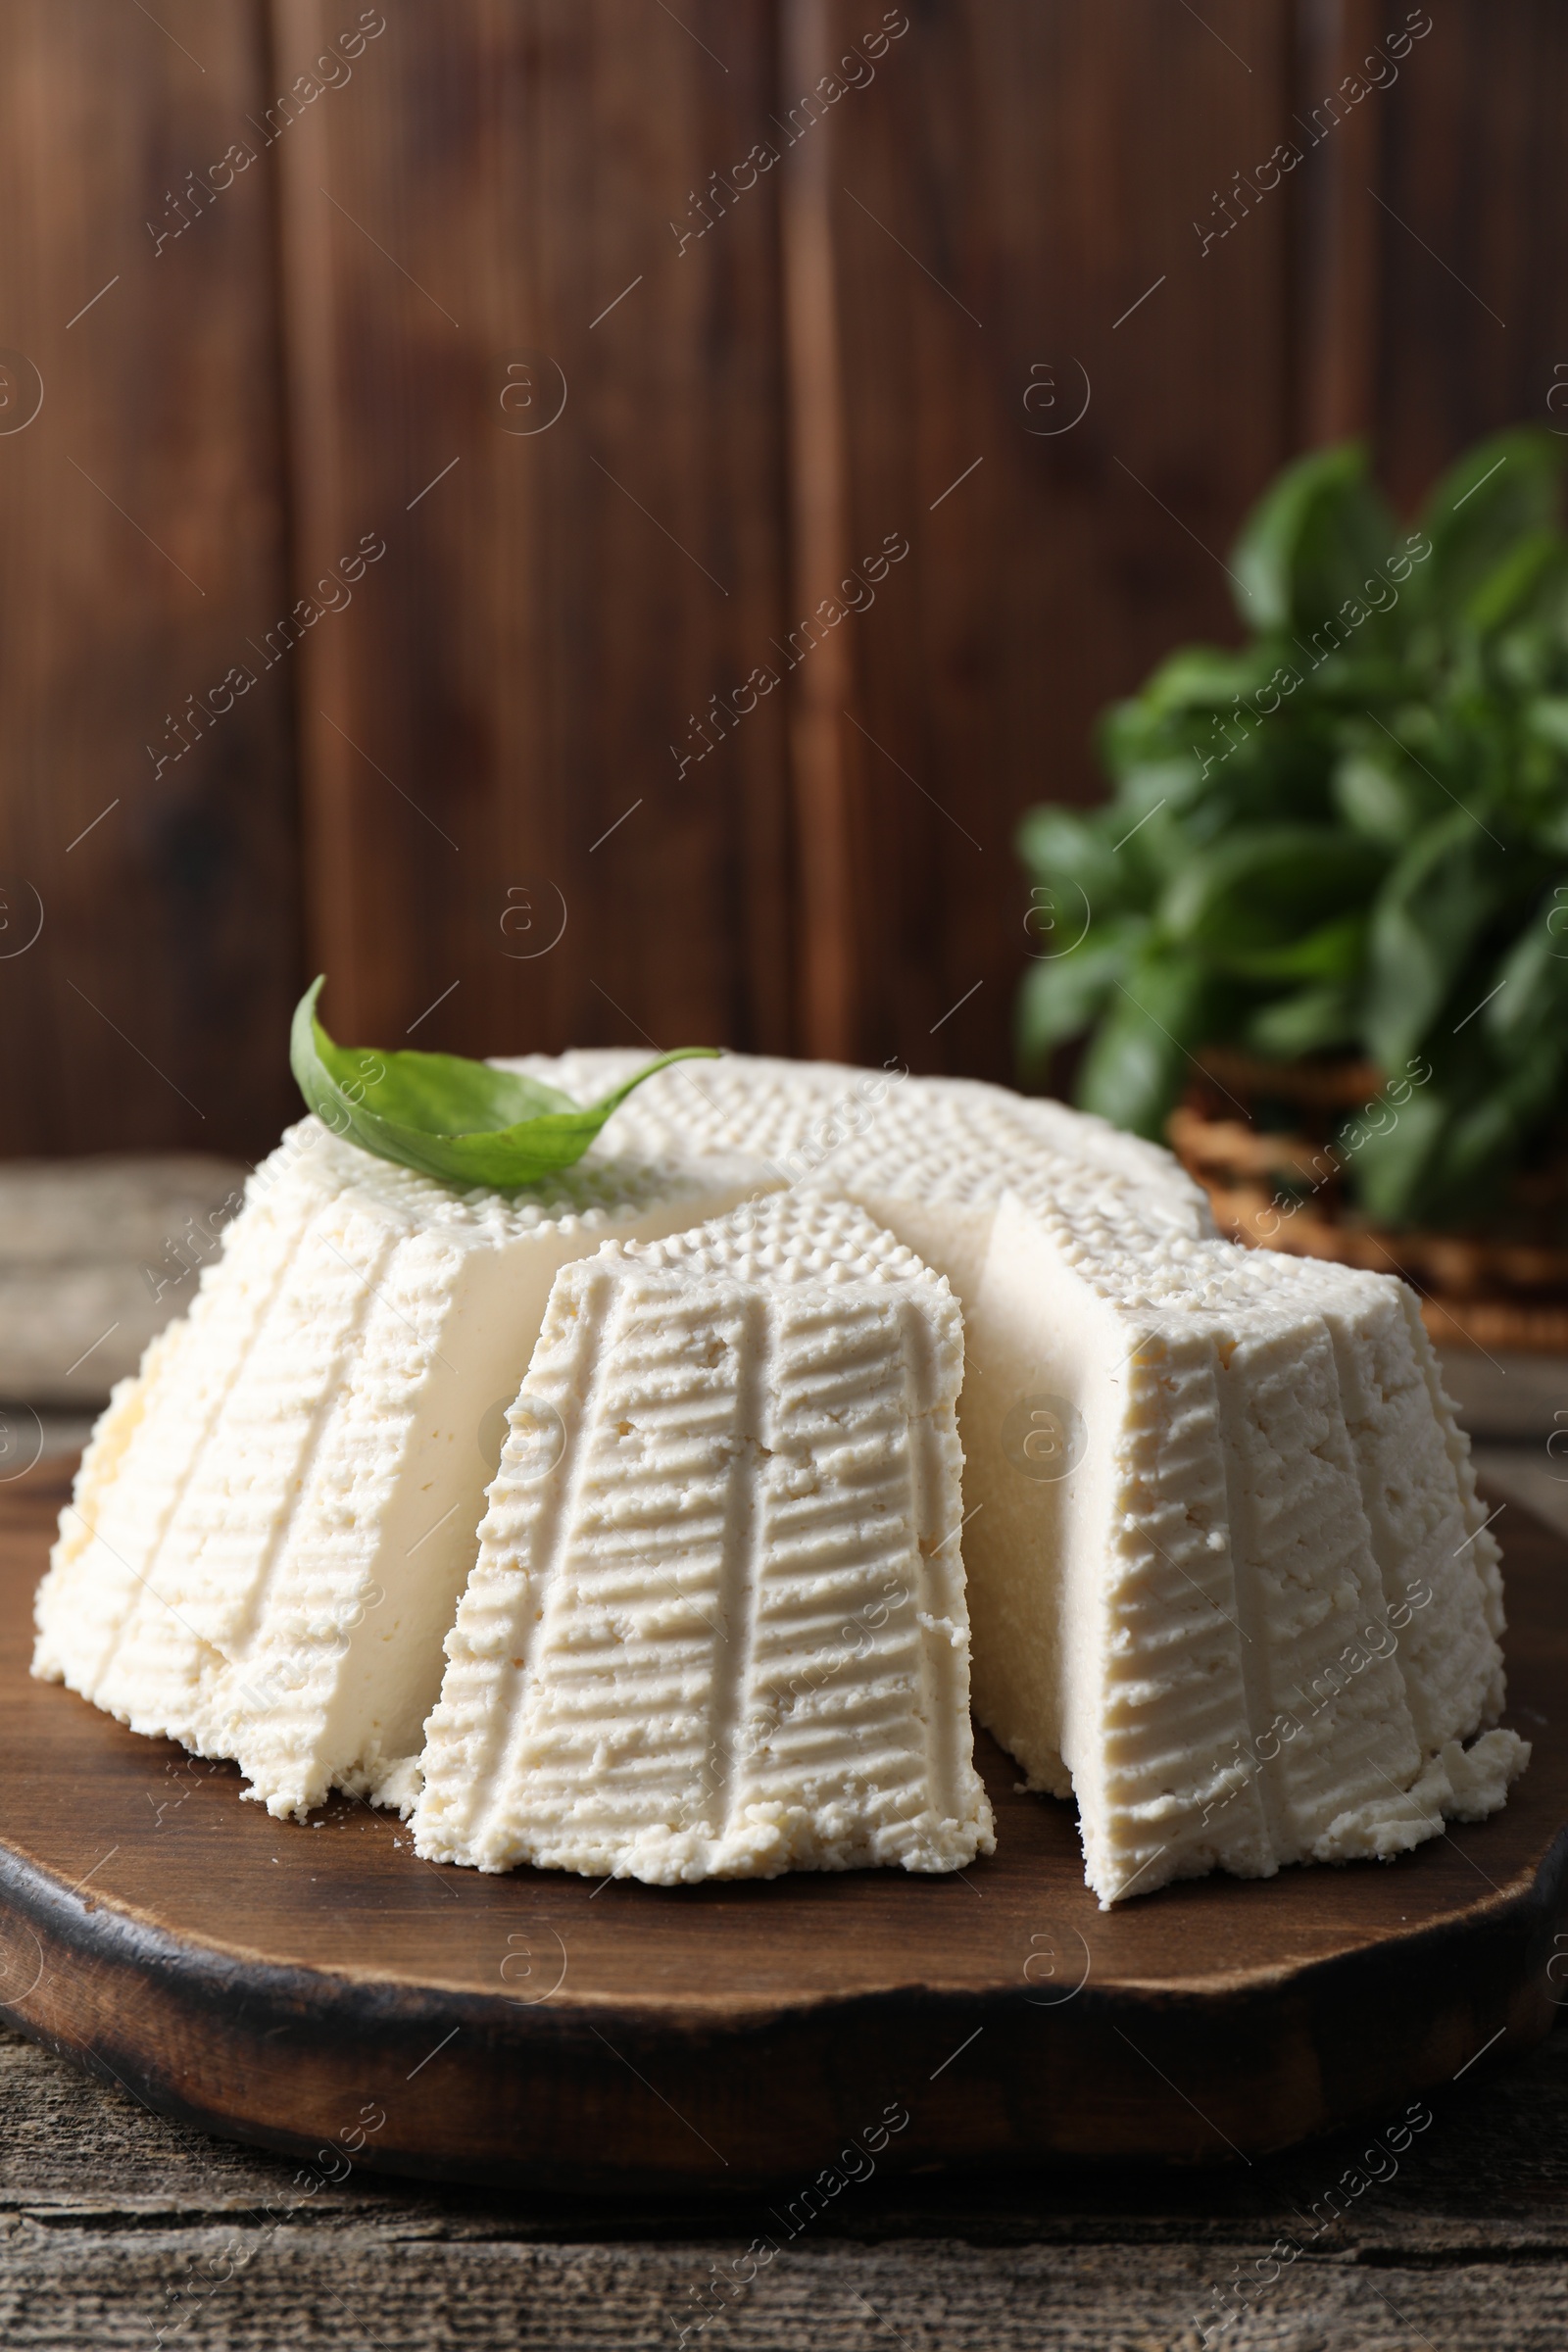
<point x="1346" y="839"/>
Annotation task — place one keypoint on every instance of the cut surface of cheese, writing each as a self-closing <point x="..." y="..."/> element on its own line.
<point x="724" y="1633"/>
<point x="272" y="1524"/>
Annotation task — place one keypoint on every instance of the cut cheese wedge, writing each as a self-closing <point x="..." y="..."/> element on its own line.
<point x="1232" y="1585"/>
<point x="272" y="1525"/>
<point x="724" y="1633"/>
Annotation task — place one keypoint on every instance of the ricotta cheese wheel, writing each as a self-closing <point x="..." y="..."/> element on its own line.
<point x="272" y="1524"/>
<point x="1229" y="1584"/>
<point x="721" y="1630"/>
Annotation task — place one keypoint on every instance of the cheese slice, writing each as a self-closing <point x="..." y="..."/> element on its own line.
<point x="724" y="1633"/>
<point x="272" y="1525"/>
<point x="1231" y="1584"/>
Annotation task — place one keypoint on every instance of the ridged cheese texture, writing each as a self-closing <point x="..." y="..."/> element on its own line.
<point x="717" y="1625"/>
<point x="1271" y="1610"/>
<point x="930" y="1158"/>
<point x="274" y="1519"/>
<point x="1230" y="1583"/>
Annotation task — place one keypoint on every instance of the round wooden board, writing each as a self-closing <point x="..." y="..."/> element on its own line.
<point x="292" y="1983"/>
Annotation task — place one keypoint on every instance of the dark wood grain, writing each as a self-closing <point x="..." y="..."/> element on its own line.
<point x="1473" y="246"/>
<point x="495" y="712"/>
<point x="141" y="543"/>
<point x="1334" y="320"/>
<point x="818" y="689"/>
<point x="115" y="2221"/>
<point x="1015" y="203"/>
<point x="485" y="731"/>
<point x="279" y="1983"/>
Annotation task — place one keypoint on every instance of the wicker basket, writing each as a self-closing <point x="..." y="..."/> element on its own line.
<point x="1280" y="1189"/>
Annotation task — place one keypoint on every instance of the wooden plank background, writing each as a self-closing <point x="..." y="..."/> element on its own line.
<point x="553" y="604"/>
<point x="1003" y="261"/>
<point x="623" y="722"/>
<point x="142" y="536"/>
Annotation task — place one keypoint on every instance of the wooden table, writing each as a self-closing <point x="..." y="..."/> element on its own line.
<point x="1446" y="2227"/>
<point x="115" y="2223"/>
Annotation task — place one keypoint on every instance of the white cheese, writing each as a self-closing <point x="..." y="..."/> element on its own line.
<point x="270" y="1530"/>
<point x="931" y="1158"/>
<point x="1229" y="1579"/>
<point x="724" y="1635"/>
<point x="1256" y="1604"/>
<point x="1257" y="1609"/>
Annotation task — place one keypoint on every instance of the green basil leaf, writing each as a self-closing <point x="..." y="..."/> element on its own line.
<point x="1313" y="1020"/>
<point x="1253" y="903"/>
<point x="1317" y="536"/>
<point x="1527" y="656"/>
<point x="1425" y="925"/>
<point x="1130" y="735"/>
<point x="459" y="1120"/>
<point x="1530" y="998"/>
<point x="1489" y="1129"/>
<point x="1197" y="713"/>
<point x="1063" y="994"/>
<point x="1201" y="678"/>
<point x="1388" y="1171"/>
<point x="1335" y="951"/>
<point x="1072" y="854"/>
<point x="1546" y="718"/>
<point x="1505" y="487"/>
<point x="1134" y="1071"/>
<point x="1527" y="584"/>
<point x="1382" y="800"/>
<point x="1152" y="785"/>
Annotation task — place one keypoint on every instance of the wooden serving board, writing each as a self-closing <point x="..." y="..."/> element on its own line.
<point x="292" y="1983"/>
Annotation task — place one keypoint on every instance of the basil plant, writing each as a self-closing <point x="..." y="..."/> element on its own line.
<point x="1345" y="840"/>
